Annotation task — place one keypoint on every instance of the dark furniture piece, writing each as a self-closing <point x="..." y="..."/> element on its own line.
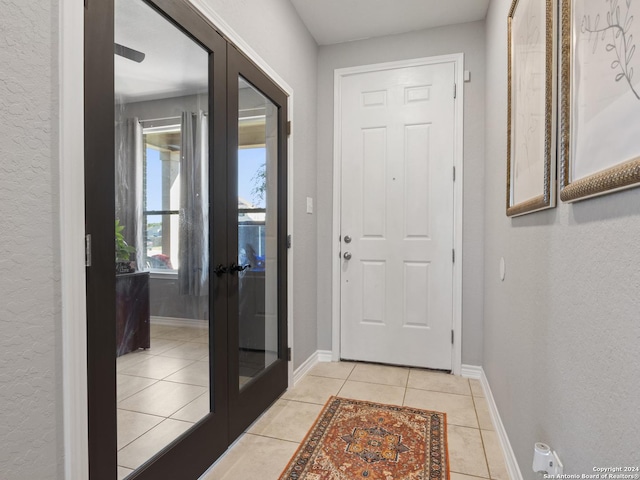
<point x="132" y="312"/>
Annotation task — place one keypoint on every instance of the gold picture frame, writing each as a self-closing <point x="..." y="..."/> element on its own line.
<point x="532" y="95"/>
<point x="600" y="99"/>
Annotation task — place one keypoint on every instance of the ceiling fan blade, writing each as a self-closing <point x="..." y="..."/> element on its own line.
<point x="127" y="52"/>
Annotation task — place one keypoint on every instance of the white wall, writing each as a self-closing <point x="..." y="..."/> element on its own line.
<point x="468" y="38"/>
<point x="30" y="318"/>
<point x="274" y="31"/>
<point x="562" y="331"/>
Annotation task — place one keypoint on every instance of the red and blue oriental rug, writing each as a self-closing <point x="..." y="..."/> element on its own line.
<point x="353" y="440"/>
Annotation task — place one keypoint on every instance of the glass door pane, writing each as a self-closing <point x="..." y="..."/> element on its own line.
<point x="161" y="227"/>
<point x="257" y="232"/>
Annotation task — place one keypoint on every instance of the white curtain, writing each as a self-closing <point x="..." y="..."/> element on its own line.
<point x="194" y="206"/>
<point x="129" y="183"/>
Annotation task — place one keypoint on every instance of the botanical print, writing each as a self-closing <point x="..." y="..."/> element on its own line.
<point x="528" y="100"/>
<point x="616" y="35"/>
<point x="605" y="92"/>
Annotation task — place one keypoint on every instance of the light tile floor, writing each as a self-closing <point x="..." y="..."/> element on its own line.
<point x="265" y="449"/>
<point x="161" y="392"/>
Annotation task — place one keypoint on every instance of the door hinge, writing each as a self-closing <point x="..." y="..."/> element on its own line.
<point x="289" y="128"/>
<point x="451" y="337"/>
<point x="455" y="90"/>
<point x="453" y="255"/>
<point x="289" y="354"/>
<point x="87" y="250"/>
<point x="454" y="174"/>
<point x="86" y="2"/>
<point x="289" y="241"/>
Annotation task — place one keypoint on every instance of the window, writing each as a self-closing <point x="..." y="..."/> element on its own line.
<point x="251" y="207"/>
<point x="161" y="197"/>
<point x="161" y="194"/>
<point x="252" y="180"/>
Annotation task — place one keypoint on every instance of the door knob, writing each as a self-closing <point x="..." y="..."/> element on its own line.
<point x="238" y="268"/>
<point x="220" y="270"/>
<point x="347" y="255"/>
<point x="347" y="239"/>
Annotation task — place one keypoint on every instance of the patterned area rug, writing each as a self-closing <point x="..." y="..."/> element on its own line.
<point x="354" y="440"/>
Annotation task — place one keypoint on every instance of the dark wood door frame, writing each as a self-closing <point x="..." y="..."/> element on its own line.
<point x="100" y="276"/>
<point x="246" y="405"/>
<point x="203" y="443"/>
<point x="233" y="410"/>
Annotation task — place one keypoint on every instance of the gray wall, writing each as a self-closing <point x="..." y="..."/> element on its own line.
<point x="30" y="316"/>
<point x="562" y="331"/>
<point x="273" y="29"/>
<point x="467" y="38"/>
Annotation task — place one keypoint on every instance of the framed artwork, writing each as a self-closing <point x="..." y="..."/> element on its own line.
<point x="600" y="97"/>
<point x="532" y="90"/>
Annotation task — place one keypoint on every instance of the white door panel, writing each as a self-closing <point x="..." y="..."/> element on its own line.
<point x="397" y="157"/>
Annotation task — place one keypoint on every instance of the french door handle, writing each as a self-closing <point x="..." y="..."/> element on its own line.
<point x="238" y="268"/>
<point x="220" y="270"/>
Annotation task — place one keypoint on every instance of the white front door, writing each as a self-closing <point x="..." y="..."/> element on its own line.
<point x="397" y="215"/>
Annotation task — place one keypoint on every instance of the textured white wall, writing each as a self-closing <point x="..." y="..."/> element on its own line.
<point x="467" y="38"/>
<point x="273" y="29"/>
<point x="30" y="372"/>
<point x="562" y="331"/>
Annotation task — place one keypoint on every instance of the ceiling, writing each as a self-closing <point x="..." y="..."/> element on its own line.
<point x="337" y="21"/>
<point x="174" y="63"/>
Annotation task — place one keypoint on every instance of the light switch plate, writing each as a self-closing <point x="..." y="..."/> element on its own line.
<point x="309" y="205"/>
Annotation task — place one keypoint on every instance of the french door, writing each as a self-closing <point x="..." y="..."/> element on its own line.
<point x="185" y="153"/>
<point x="257" y="302"/>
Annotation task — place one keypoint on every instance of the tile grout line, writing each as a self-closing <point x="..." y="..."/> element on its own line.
<point x="484" y="448"/>
<point x="406" y="389"/>
<point x="139" y="391"/>
<point x="139" y="436"/>
<point x="271" y="437"/>
<point x="468" y="475"/>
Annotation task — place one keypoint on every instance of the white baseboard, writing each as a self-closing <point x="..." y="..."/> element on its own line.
<point x="178" y="322"/>
<point x="325" y="355"/>
<point x="303" y="369"/>
<point x="471" y="371"/>
<point x="315" y="358"/>
<point x="475" y="372"/>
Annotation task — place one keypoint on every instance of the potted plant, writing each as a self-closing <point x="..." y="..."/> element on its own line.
<point x="123" y="252"/>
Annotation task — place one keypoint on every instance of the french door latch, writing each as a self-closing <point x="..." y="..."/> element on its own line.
<point x="233" y="268"/>
<point x="220" y="270"/>
<point x="238" y="268"/>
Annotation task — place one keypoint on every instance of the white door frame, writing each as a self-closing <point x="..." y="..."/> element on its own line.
<point x="458" y="61"/>
<point x="72" y="229"/>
